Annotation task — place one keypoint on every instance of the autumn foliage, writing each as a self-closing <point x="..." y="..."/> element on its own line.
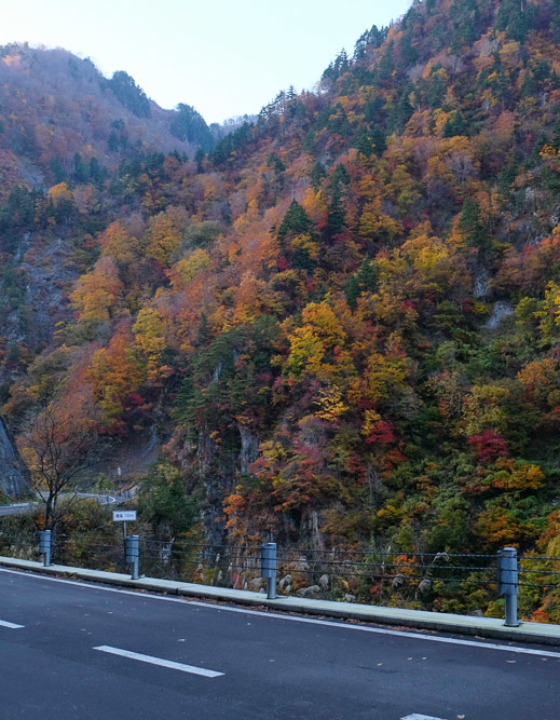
<point x="344" y="319"/>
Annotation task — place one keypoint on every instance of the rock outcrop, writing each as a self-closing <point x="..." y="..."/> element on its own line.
<point x="13" y="480"/>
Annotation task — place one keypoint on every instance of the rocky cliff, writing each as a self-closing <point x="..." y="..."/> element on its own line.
<point x="13" y="480"/>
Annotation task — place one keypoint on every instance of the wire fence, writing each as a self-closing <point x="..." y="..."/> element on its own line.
<point x="435" y="580"/>
<point x="310" y="571"/>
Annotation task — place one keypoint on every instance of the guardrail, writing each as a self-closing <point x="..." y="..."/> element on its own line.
<point x="340" y="574"/>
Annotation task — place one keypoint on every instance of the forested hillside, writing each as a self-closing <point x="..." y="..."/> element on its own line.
<point x="62" y="120"/>
<point x="344" y="319"/>
<point x="66" y="136"/>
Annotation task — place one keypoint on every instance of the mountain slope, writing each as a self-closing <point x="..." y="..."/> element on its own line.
<point x="56" y="105"/>
<point x="64" y="130"/>
<point x="344" y="318"/>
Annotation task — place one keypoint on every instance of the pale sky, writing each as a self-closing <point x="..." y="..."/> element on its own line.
<point x="225" y="57"/>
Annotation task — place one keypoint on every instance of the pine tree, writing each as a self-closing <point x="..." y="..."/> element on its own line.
<point x="364" y="143"/>
<point x="456" y="125"/>
<point x="296" y="222"/>
<point x="379" y="140"/>
<point x="335" y="215"/>
<point x="471" y="226"/>
<point x="317" y="174"/>
<point x="129" y="94"/>
<point x="364" y="281"/>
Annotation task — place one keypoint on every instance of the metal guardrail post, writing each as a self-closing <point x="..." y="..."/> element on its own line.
<point x="268" y="568"/>
<point x="45" y="546"/>
<point x="133" y="554"/>
<point x="508" y="583"/>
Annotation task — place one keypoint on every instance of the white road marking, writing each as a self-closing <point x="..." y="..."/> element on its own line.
<point x="417" y="716"/>
<point x="13" y="626"/>
<point x="159" y="661"/>
<point x="186" y="602"/>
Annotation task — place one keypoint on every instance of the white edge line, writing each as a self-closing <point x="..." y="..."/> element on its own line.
<point x="192" y="669"/>
<point x="12" y="626"/>
<point x="185" y="601"/>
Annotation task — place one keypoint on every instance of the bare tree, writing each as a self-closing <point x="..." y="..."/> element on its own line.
<point x="58" y="451"/>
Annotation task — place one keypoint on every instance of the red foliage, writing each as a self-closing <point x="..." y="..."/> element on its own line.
<point x="488" y="446"/>
<point x="382" y="433"/>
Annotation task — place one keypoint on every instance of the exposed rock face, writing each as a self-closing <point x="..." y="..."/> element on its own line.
<point x="481" y="283"/>
<point x="249" y="447"/>
<point x="45" y="274"/>
<point x="13" y="481"/>
<point x="501" y="310"/>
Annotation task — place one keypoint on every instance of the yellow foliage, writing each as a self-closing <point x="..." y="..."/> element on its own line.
<point x="330" y="403"/>
<point x="165" y="234"/>
<point x="321" y="332"/>
<point x="517" y="475"/>
<point x="371" y="418"/>
<point x="60" y="193"/>
<point x="385" y="377"/>
<point x="509" y="54"/>
<point x="540" y="376"/>
<point x="377" y="225"/>
<point x="119" y="244"/>
<point x="484" y="409"/>
<point x="149" y="331"/>
<point x="114" y="374"/>
<point x="306" y="244"/>
<point x="97" y="294"/>
<point x="189" y="268"/>
<point x="246" y="222"/>
<point x="314" y="204"/>
<point x="253" y="298"/>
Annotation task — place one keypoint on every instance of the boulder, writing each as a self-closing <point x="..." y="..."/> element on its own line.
<point x="286" y="580"/>
<point x="310" y="591"/>
<point x="255" y="584"/>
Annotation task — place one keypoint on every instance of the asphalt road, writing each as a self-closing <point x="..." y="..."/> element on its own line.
<point x="21" y="508"/>
<point x="84" y="651"/>
<point x="17" y="509"/>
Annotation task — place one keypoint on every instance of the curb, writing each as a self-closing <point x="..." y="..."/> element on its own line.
<point x="528" y="632"/>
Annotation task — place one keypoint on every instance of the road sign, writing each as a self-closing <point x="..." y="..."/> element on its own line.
<point x="124" y="515"/>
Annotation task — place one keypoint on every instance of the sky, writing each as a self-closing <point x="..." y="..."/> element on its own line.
<point x="224" y="57"/>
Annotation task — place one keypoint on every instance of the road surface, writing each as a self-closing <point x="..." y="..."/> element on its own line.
<point x="21" y="508"/>
<point x="71" y="651"/>
<point x="16" y="509"/>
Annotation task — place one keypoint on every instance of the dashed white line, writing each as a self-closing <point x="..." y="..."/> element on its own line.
<point x="417" y="716"/>
<point x="192" y="669"/>
<point x="12" y="626"/>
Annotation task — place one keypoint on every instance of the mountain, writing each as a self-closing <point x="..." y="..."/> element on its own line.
<point x="62" y="119"/>
<point x="64" y="131"/>
<point x="342" y="320"/>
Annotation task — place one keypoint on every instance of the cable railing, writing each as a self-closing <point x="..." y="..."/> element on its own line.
<point x="423" y="580"/>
